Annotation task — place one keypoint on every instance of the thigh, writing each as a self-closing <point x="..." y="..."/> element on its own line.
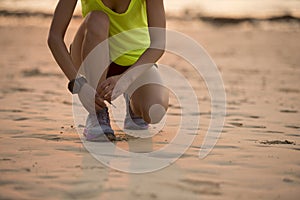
<point x="76" y="46"/>
<point x="93" y="73"/>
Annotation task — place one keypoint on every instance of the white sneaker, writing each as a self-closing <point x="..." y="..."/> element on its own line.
<point x="98" y="127"/>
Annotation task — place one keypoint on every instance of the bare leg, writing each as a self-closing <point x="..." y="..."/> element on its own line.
<point x="92" y="32"/>
<point x="76" y="46"/>
<point x="97" y="31"/>
<point x="150" y="102"/>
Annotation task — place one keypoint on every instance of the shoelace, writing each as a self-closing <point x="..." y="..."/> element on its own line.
<point x="103" y="117"/>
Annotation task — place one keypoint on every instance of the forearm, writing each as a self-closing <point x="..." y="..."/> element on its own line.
<point x="146" y="60"/>
<point x="150" y="56"/>
<point x="61" y="55"/>
<point x="61" y="19"/>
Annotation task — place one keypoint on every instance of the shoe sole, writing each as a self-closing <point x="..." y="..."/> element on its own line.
<point x="105" y="137"/>
<point x="135" y="128"/>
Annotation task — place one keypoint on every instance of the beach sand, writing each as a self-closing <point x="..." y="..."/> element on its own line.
<point x="256" y="157"/>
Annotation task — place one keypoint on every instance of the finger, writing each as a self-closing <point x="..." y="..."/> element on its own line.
<point x="105" y="83"/>
<point x="106" y="90"/>
<point x="107" y="96"/>
<point x="100" y="102"/>
<point x="99" y="87"/>
<point x="98" y="90"/>
<point x="102" y="92"/>
<point x="98" y="108"/>
<point x="99" y="97"/>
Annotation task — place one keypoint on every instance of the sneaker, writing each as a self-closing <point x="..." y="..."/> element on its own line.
<point x="133" y="122"/>
<point x="98" y="127"/>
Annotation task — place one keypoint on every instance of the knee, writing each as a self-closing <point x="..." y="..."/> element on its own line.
<point x="153" y="112"/>
<point x="97" y="24"/>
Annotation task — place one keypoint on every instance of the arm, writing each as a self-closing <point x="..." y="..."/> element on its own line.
<point x="61" y="19"/>
<point x="156" y="19"/>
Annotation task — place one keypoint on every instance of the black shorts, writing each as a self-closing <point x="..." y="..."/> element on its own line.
<point x="115" y="69"/>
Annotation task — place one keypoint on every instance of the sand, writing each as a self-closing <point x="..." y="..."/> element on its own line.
<point x="256" y="157"/>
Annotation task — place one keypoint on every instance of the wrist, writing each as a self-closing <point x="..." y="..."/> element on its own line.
<point x="76" y="84"/>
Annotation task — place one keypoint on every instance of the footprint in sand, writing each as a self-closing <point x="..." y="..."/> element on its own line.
<point x="277" y="142"/>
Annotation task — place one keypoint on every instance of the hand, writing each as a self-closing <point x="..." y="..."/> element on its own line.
<point x="90" y="99"/>
<point x="107" y="89"/>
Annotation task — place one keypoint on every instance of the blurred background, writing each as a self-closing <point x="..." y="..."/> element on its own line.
<point x="219" y="8"/>
<point x="254" y="43"/>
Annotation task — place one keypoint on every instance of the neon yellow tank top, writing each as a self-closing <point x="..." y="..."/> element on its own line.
<point x="135" y="17"/>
